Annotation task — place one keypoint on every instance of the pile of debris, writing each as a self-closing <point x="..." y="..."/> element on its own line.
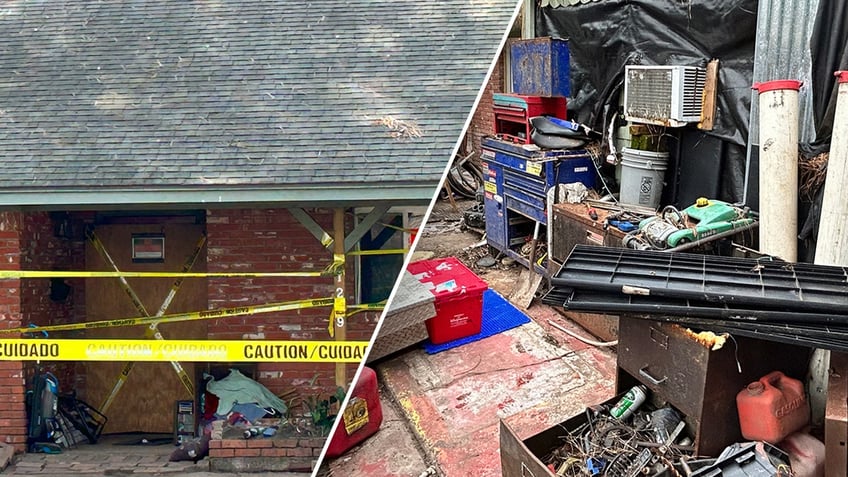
<point x="621" y="441"/>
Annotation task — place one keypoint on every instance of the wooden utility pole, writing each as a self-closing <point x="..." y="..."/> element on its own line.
<point x="339" y="303"/>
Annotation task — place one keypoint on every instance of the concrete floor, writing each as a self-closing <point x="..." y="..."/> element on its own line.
<point x="391" y="452"/>
<point x="451" y="402"/>
<point x="109" y="458"/>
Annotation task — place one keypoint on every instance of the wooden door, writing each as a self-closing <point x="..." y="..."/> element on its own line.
<point x="146" y="401"/>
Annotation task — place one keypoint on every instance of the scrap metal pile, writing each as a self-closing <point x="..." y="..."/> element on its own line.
<point x="795" y="303"/>
<point x="651" y="443"/>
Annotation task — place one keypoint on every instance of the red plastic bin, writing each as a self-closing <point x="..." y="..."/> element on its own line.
<point x="361" y="418"/>
<point x="459" y="298"/>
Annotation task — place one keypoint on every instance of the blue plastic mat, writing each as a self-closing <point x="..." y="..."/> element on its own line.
<point x="498" y="316"/>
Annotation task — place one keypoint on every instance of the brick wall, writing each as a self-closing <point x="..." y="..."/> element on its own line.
<point x="12" y="409"/>
<point x="42" y="249"/>
<point x="482" y="123"/>
<point x="278" y="454"/>
<point x="271" y="240"/>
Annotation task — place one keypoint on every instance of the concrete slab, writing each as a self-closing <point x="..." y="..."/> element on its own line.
<point x="533" y="377"/>
<point x="391" y="452"/>
<point x="525" y="376"/>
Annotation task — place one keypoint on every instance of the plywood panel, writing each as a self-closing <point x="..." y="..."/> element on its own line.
<point x="146" y="401"/>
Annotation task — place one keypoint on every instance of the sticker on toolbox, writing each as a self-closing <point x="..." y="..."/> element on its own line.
<point x="459" y="320"/>
<point x="447" y="286"/>
<point x="581" y="169"/>
<point x="534" y="168"/>
<point x="490" y="187"/>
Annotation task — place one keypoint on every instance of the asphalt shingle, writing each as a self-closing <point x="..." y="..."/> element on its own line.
<point x="114" y="94"/>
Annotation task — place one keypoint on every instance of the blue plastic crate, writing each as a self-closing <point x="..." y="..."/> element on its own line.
<point x="540" y="67"/>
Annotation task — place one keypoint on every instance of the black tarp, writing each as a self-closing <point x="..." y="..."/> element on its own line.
<point x="829" y="53"/>
<point x="604" y="36"/>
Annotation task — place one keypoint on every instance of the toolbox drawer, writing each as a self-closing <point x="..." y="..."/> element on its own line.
<point x="523" y="457"/>
<point x="700" y="382"/>
<point x="664" y="359"/>
<point x="525" y="194"/>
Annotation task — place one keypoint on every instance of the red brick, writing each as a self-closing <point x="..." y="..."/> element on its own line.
<point x="315" y="442"/>
<point x="299" y="452"/>
<point x="259" y="443"/>
<point x="287" y="443"/>
<point x="10" y="424"/>
<point x="247" y="452"/>
<point x="234" y="444"/>
<point x="222" y="453"/>
<point x="272" y="452"/>
<point x="215" y="444"/>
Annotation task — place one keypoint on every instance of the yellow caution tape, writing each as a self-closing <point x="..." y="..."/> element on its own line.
<point x="368" y="306"/>
<point x="189" y="316"/>
<point x="391" y="251"/>
<point x="182" y="350"/>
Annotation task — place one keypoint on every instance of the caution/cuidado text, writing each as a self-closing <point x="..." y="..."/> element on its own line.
<point x="181" y="350"/>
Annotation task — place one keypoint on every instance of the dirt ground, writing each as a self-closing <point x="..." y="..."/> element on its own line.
<point x="445" y="235"/>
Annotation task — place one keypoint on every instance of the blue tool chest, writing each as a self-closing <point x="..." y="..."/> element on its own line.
<point x="518" y="178"/>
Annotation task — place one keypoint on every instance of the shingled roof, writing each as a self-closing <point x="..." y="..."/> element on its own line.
<point x="147" y="102"/>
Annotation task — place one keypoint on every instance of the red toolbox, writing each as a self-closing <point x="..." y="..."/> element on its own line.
<point x="362" y="415"/>
<point x="513" y="112"/>
<point x="459" y="298"/>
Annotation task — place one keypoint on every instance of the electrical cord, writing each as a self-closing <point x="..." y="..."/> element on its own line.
<point x="599" y="344"/>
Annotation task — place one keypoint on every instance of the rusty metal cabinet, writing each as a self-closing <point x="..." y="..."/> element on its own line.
<point x="572" y="226"/>
<point x="836" y="417"/>
<point x="699" y="382"/>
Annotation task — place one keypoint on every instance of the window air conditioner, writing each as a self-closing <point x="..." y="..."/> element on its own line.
<point x="664" y="95"/>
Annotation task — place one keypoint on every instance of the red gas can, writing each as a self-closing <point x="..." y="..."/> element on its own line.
<point x="459" y="298"/>
<point x="361" y="418"/>
<point x="772" y="408"/>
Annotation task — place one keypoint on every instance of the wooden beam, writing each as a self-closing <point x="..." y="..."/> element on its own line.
<point x="312" y="226"/>
<point x="340" y="304"/>
<point x="708" y="100"/>
<point x="363" y="227"/>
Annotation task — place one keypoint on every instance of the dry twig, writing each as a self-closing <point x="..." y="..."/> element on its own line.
<point x="400" y="129"/>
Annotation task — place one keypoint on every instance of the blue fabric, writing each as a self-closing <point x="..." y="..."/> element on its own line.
<point x="498" y="316"/>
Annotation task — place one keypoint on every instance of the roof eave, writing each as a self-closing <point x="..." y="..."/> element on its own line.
<point x="215" y="197"/>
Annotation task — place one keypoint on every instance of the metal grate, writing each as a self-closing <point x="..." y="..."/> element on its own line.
<point x="668" y="95"/>
<point x="649" y="93"/>
<point x="728" y="280"/>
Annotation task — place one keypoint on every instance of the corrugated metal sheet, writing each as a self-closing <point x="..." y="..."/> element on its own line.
<point x="783" y="52"/>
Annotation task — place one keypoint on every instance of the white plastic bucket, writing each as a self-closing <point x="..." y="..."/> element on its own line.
<point x="642" y="177"/>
